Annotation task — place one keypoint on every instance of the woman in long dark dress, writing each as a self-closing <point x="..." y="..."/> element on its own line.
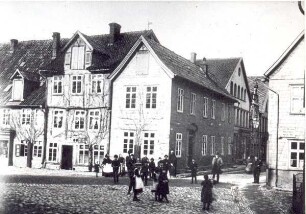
<point x="163" y="186"/>
<point x="206" y="194"/>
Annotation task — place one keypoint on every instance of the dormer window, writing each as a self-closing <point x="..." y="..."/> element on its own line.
<point x="17" y="93"/>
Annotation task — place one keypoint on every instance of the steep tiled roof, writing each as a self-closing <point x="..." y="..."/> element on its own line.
<point x="220" y="70"/>
<point x="262" y="91"/>
<point x="37" y="97"/>
<point x="110" y="55"/>
<point x="186" y="69"/>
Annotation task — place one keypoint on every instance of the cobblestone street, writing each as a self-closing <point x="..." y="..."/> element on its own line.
<point x="73" y="193"/>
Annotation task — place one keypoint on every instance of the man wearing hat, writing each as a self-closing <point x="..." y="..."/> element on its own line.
<point x="173" y="162"/>
<point x="217" y="162"/>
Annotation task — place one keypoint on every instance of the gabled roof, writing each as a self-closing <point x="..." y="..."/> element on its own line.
<point x="262" y="91"/>
<point x="110" y="55"/>
<point x="175" y="66"/>
<point x="285" y="54"/>
<point x="27" y="75"/>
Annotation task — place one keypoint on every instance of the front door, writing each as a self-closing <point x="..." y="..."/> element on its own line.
<point x="190" y="146"/>
<point x="66" y="157"/>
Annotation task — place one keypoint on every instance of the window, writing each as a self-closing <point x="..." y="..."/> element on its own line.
<point x="83" y="154"/>
<point x="98" y="153"/>
<point x="238" y="92"/>
<point x="79" y="119"/>
<point x="88" y="58"/>
<point x="21" y="149"/>
<point x="178" y="145"/>
<point x="222" y="145"/>
<point x="297" y="155"/>
<point x="128" y="142"/>
<point x="130" y="97"/>
<point x="235" y="90"/>
<point x="57" y="84"/>
<point x="297" y="99"/>
<point x="5" y="117"/>
<point x="229" y="113"/>
<point x="26" y="117"/>
<point x="37" y="149"/>
<point x="96" y="83"/>
<point x="231" y="88"/>
<point x="76" y="87"/>
<point x="223" y="112"/>
<point x="142" y="61"/>
<point x="52" y="152"/>
<point x="244" y="95"/>
<point x="67" y="58"/>
<point x="239" y="71"/>
<point x="213" y="145"/>
<point x="241" y="93"/>
<point x="151" y="97"/>
<point x="230" y="146"/>
<point x="17" y="89"/>
<point x="94" y="119"/>
<point x="213" y="109"/>
<point x="193" y="103"/>
<point x="148" y="143"/>
<point x="205" y="107"/>
<point x="58" y="118"/>
<point x="204" y="145"/>
<point x="180" y="100"/>
<point x="77" y="57"/>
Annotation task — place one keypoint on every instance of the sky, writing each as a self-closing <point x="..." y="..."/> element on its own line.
<point x="257" y="31"/>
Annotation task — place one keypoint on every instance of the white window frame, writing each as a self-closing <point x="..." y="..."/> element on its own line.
<point x="180" y="100"/>
<point x="128" y="141"/>
<point x="298" y="97"/>
<point x="83" y="154"/>
<point x="58" y="119"/>
<point x="222" y="145"/>
<point x="5" y="117"/>
<point x="213" y="109"/>
<point x="58" y="85"/>
<point x="178" y="145"/>
<point x="78" y="81"/>
<point x="98" y="153"/>
<point x="223" y="112"/>
<point x="18" y="149"/>
<point x="37" y="149"/>
<point x="204" y="145"/>
<point x="26" y="117"/>
<point x="97" y="83"/>
<point x="52" y="152"/>
<point x="148" y="143"/>
<point x="205" y="107"/>
<point x="151" y="97"/>
<point x="130" y="97"/>
<point x="79" y="119"/>
<point x="299" y="150"/>
<point x="94" y="119"/>
<point x="212" y="145"/>
<point x="77" y="57"/>
<point x="193" y="99"/>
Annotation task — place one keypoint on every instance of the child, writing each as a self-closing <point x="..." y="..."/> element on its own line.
<point x="206" y="194"/>
<point x="155" y="186"/>
<point x="97" y="168"/>
<point x="163" y="186"/>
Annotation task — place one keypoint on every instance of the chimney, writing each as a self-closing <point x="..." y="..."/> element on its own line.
<point x="56" y="44"/>
<point x="193" y="57"/>
<point x="114" y="32"/>
<point x="14" y="43"/>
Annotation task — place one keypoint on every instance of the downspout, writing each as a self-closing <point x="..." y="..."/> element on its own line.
<point x="277" y="125"/>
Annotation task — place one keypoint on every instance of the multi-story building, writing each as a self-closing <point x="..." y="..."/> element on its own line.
<point x="78" y="96"/>
<point x="286" y="124"/>
<point x="230" y="74"/>
<point x="162" y="102"/>
<point x="259" y="134"/>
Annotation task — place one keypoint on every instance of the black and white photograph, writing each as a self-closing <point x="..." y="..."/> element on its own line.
<point x="152" y="107"/>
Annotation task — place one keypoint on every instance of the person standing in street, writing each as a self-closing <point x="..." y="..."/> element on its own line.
<point x="194" y="170"/>
<point x="130" y="164"/>
<point x="173" y="162"/>
<point x="122" y="163"/>
<point x="97" y="168"/>
<point x="163" y="186"/>
<point x="116" y="166"/>
<point x="166" y="165"/>
<point x="256" y="169"/>
<point x="145" y="172"/>
<point x="206" y="193"/>
<point x="137" y="183"/>
<point x="152" y="167"/>
<point x="217" y="162"/>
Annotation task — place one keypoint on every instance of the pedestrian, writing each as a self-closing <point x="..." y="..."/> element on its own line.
<point x="166" y="165"/>
<point x="206" y="193"/>
<point x="106" y="160"/>
<point x="194" y="170"/>
<point x="130" y="164"/>
<point x="152" y="168"/>
<point x="217" y="162"/>
<point x="137" y="184"/>
<point x="163" y="186"/>
<point x="116" y="166"/>
<point x="97" y="168"/>
<point x="256" y="169"/>
<point x="160" y="163"/>
<point x="173" y="162"/>
<point x="145" y="172"/>
<point x="122" y="164"/>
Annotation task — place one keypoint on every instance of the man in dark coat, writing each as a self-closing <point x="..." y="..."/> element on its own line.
<point x="194" y="170"/>
<point x="145" y="172"/>
<point x="116" y="166"/>
<point x="152" y="167"/>
<point x="163" y="186"/>
<point x="206" y="193"/>
<point x="173" y="162"/>
<point x="256" y="169"/>
<point x="130" y="164"/>
<point x="122" y="163"/>
<point x="166" y="164"/>
<point x="217" y="162"/>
